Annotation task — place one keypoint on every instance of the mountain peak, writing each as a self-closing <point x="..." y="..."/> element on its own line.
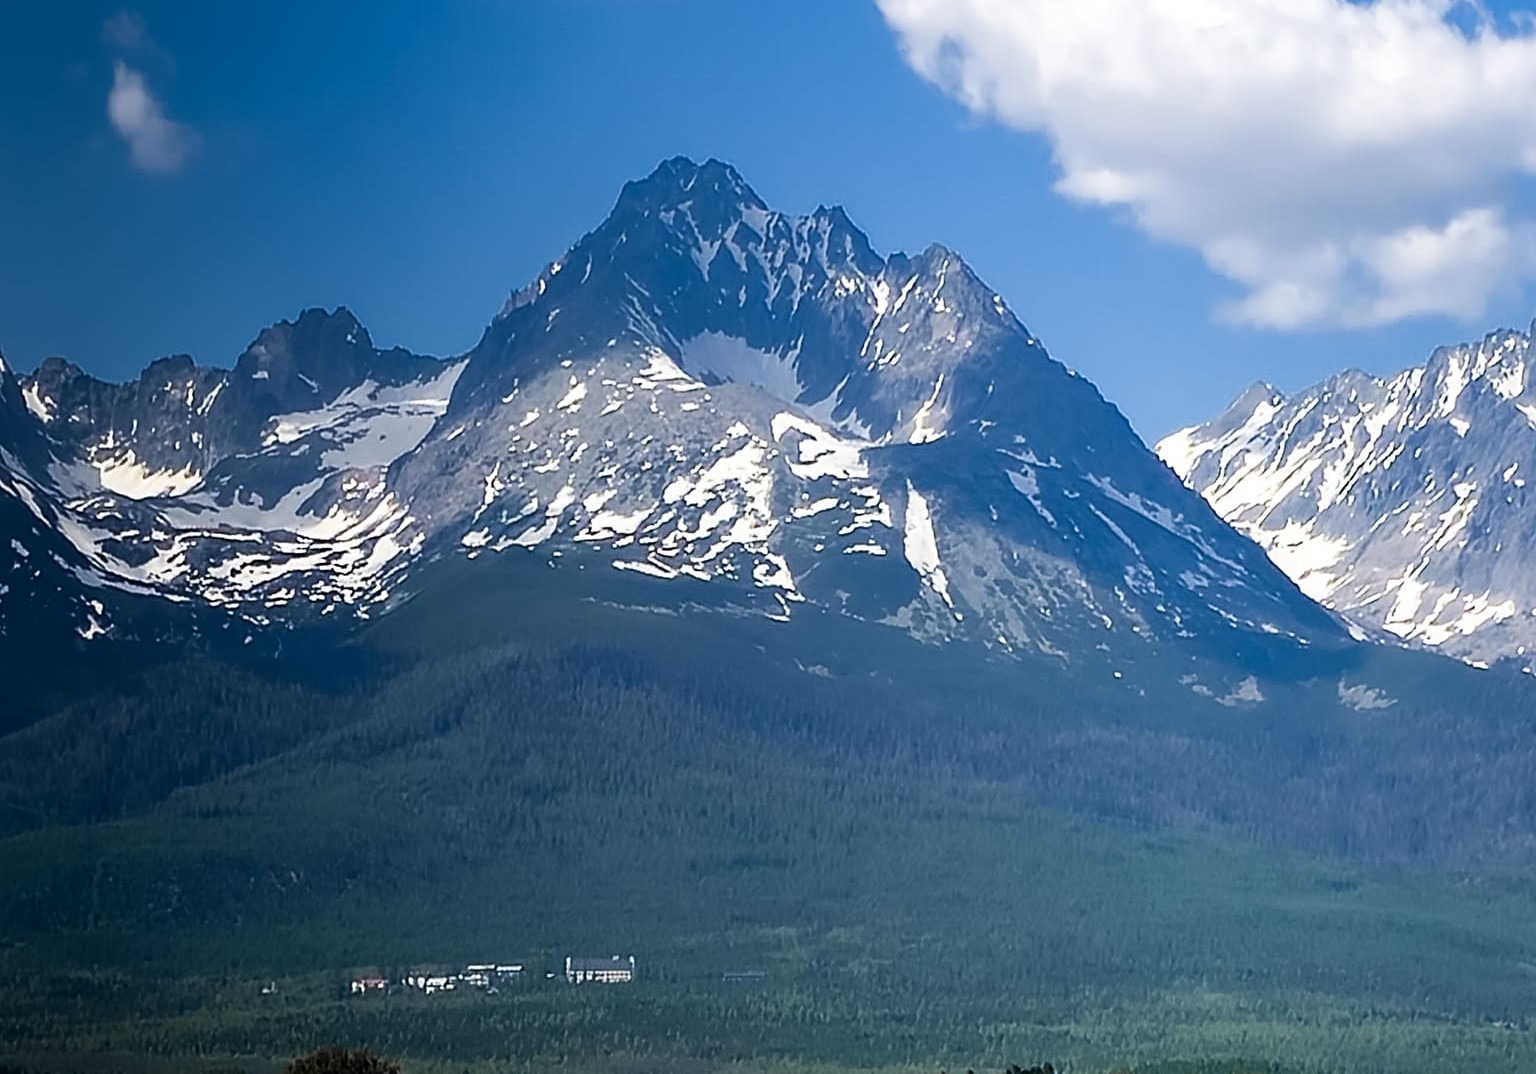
<point x="1256" y="395"/>
<point x="56" y="370"/>
<point x="833" y="214"/>
<point x="680" y="181"/>
<point x="314" y="329"/>
<point x="338" y="322"/>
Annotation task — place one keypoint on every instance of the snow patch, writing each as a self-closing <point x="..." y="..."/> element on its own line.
<point x="127" y="476"/>
<point x="1027" y="485"/>
<point x="1363" y="698"/>
<point x="922" y="431"/>
<point x="372" y="425"/>
<point x="820" y="452"/>
<point x="643" y="566"/>
<point x="816" y="507"/>
<point x="571" y="400"/>
<point x="1246" y="692"/>
<point x="1307" y="557"/>
<point x="608" y="525"/>
<point x="42" y="409"/>
<point x="921" y="547"/>
<point x="537" y="535"/>
<point x="716" y="356"/>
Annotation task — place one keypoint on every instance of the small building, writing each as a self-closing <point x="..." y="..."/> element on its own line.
<point x="431" y="982"/>
<point x="487" y="976"/>
<point x="615" y="970"/>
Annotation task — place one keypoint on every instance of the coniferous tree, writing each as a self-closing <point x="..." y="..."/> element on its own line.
<point x="341" y="1061"/>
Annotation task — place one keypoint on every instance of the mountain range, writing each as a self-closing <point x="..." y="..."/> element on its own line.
<point x="782" y="613"/>
<point x="1400" y="502"/>
<point x="752" y="407"/>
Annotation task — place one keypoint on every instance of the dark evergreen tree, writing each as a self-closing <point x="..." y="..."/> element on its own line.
<point x="341" y="1061"/>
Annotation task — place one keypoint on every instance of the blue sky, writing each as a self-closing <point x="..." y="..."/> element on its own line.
<point x="416" y="162"/>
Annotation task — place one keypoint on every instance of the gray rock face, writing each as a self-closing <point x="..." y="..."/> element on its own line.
<point x="746" y="405"/>
<point x="1402" y="502"/>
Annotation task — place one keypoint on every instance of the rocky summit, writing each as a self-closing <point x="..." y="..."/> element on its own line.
<point x="737" y="404"/>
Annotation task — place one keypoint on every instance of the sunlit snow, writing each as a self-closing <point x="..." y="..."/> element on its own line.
<point x="920" y="545"/>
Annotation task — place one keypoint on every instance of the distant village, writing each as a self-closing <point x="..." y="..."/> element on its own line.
<point x="491" y="977"/>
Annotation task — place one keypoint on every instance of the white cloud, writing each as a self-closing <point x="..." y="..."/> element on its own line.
<point x="1347" y="163"/>
<point x="157" y="144"/>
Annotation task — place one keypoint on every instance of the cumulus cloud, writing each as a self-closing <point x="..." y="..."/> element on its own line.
<point x="157" y="144"/>
<point x="1346" y="163"/>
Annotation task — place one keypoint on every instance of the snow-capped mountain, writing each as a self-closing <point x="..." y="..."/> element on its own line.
<point x="250" y="488"/>
<point x="1398" y="501"/>
<point x="703" y="391"/>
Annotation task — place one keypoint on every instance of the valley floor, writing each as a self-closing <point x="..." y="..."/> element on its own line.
<point x="1093" y="946"/>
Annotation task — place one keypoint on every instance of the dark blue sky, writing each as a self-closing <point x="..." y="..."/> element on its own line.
<point x="417" y="161"/>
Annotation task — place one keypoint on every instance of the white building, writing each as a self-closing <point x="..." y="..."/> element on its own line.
<point x="432" y="982"/>
<point x="615" y="970"/>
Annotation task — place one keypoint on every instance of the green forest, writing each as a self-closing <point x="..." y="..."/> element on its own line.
<point x="927" y="859"/>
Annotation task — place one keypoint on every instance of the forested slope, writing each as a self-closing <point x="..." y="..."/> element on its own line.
<point x="929" y="854"/>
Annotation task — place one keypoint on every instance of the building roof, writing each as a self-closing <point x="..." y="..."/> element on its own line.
<point x="614" y="963"/>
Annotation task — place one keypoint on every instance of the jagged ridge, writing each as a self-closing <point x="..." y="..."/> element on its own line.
<point x="1400" y="501"/>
